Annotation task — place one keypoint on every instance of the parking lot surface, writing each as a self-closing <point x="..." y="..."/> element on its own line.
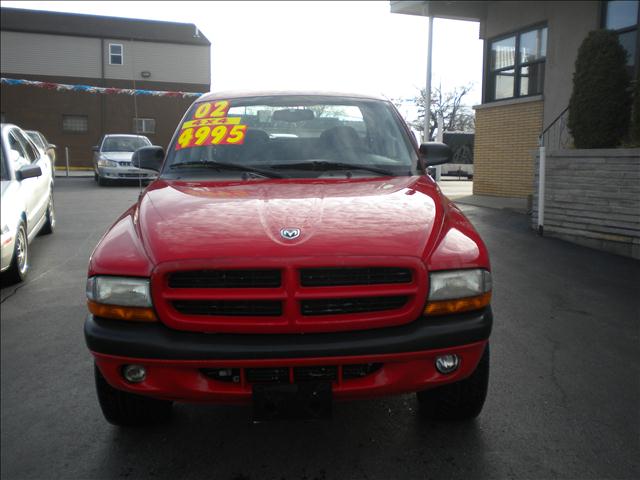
<point x="563" y="399"/>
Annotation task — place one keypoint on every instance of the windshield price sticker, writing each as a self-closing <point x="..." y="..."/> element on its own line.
<point x="208" y="122"/>
<point x="217" y="135"/>
<point x="211" y="126"/>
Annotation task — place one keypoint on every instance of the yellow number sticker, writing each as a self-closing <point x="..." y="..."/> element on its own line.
<point x="236" y="135"/>
<point x="185" y="138"/>
<point x="211" y="126"/>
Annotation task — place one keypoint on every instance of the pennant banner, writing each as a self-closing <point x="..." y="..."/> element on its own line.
<point x="60" y="87"/>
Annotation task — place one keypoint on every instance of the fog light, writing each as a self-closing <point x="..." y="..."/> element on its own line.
<point x="447" y="363"/>
<point x="134" y="373"/>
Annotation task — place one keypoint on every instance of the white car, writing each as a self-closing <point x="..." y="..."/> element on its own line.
<point x="27" y="199"/>
<point x="112" y="159"/>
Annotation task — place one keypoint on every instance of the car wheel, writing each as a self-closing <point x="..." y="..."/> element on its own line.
<point x="95" y="177"/>
<point x="50" y="224"/>
<point x="127" y="409"/>
<point x="17" y="272"/>
<point x="102" y="181"/>
<point x="461" y="400"/>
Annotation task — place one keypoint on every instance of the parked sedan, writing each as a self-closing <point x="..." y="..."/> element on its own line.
<point x="49" y="148"/>
<point x="27" y="199"/>
<point x="112" y="159"/>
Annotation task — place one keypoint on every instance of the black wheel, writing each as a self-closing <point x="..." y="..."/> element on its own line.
<point x="461" y="400"/>
<point x="102" y="181"/>
<point x="17" y="272"/>
<point x="128" y="409"/>
<point x="50" y="224"/>
<point x="95" y="177"/>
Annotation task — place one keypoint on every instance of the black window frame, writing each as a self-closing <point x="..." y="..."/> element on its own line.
<point x="635" y="69"/>
<point x="490" y="75"/>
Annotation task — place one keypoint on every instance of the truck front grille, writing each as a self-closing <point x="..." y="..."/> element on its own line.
<point x="338" y="306"/>
<point x="341" y="276"/>
<point x="289" y="295"/>
<point x="225" y="279"/>
<point x="268" y="375"/>
<point x="258" y="308"/>
<point x="291" y="374"/>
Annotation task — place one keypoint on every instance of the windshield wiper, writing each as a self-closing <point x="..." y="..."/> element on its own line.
<point x="226" y="166"/>
<point x="327" y="165"/>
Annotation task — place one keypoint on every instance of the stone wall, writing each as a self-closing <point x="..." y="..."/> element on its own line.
<point x="592" y="197"/>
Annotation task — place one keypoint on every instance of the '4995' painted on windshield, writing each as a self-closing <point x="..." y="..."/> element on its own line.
<point x="211" y="126"/>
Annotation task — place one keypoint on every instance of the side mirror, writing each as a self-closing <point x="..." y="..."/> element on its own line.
<point x="149" y="158"/>
<point x="51" y="145"/>
<point x="28" y="171"/>
<point x="435" y="153"/>
<point x="95" y="148"/>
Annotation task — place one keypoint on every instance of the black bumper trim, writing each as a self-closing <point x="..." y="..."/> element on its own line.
<point x="141" y="340"/>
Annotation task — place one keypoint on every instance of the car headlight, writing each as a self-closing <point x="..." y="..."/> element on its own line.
<point x="105" y="162"/>
<point x="124" y="298"/>
<point x="457" y="291"/>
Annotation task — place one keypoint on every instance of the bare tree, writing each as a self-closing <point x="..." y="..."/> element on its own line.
<point x="456" y="116"/>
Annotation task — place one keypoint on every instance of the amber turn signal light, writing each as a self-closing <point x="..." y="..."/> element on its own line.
<point x="445" y="307"/>
<point x="134" y="314"/>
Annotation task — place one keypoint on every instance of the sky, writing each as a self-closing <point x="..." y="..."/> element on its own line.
<point x="342" y="46"/>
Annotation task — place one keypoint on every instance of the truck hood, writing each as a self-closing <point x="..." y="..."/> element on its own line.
<point x="179" y="220"/>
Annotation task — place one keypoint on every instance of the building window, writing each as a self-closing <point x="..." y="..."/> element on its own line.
<point x="516" y="65"/>
<point x="116" y="54"/>
<point x="144" y="125"/>
<point x="623" y="17"/>
<point x="75" y="123"/>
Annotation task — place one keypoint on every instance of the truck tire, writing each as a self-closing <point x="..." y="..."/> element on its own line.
<point x="50" y="224"/>
<point x="458" y="401"/>
<point x="17" y="272"/>
<point x="127" y="409"/>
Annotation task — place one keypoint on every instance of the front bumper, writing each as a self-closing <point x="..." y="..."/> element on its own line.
<point x="8" y="245"/>
<point x="126" y="173"/>
<point x="175" y="360"/>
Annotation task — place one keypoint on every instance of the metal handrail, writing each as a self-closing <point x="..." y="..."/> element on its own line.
<point x="553" y="123"/>
<point x="542" y="160"/>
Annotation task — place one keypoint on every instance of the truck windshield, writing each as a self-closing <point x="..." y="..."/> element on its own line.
<point x="293" y="137"/>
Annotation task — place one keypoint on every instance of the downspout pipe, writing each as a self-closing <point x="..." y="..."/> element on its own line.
<point x="541" y="183"/>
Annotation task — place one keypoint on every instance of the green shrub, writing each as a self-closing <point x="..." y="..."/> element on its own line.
<point x="599" y="108"/>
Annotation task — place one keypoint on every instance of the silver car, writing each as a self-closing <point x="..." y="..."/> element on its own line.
<point x="49" y="148"/>
<point x="112" y="159"/>
<point x="27" y="199"/>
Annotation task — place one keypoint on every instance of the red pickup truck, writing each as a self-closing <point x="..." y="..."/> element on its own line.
<point x="292" y="252"/>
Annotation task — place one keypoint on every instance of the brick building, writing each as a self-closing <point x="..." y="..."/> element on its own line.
<point x="590" y="197"/>
<point x="529" y="55"/>
<point x="63" y="48"/>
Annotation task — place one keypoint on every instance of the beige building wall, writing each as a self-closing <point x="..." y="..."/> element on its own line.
<point x="505" y="143"/>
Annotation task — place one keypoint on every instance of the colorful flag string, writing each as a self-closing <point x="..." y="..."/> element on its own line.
<point x="61" y="87"/>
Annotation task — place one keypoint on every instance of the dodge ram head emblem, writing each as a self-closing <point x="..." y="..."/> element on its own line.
<point x="290" y="233"/>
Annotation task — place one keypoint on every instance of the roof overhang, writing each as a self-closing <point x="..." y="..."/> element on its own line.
<point x="464" y="10"/>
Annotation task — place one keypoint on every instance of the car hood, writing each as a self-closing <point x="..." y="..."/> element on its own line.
<point x="178" y="220"/>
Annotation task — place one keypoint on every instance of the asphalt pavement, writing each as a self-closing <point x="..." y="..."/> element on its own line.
<point x="564" y="394"/>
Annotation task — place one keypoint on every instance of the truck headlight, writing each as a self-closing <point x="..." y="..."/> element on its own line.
<point x="124" y="298"/>
<point x="457" y="291"/>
